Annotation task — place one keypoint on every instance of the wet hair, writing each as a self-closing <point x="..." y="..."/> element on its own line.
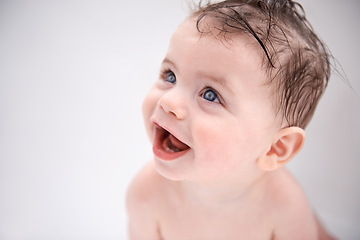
<point x="295" y="58"/>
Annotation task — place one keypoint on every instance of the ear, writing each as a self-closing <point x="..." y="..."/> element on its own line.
<point x="286" y="144"/>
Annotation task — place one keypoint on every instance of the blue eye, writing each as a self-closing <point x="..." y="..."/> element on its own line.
<point x="210" y="96"/>
<point x="171" y="78"/>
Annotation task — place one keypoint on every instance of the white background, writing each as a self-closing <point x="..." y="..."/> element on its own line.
<point x="73" y="75"/>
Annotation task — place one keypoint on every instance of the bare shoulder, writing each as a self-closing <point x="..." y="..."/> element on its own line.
<point x="142" y="204"/>
<point x="145" y="184"/>
<point x="293" y="215"/>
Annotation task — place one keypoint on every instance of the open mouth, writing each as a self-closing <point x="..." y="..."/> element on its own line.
<point x="167" y="146"/>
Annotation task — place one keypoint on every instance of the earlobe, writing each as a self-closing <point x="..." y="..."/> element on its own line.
<point x="287" y="143"/>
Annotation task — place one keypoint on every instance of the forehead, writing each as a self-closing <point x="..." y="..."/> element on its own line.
<point x="233" y="57"/>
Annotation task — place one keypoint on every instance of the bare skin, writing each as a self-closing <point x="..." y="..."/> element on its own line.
<point x="220" y="150"/>
<point x="165" y="209"/>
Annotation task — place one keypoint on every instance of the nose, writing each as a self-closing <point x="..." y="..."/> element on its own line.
<point x="173" y="104"/>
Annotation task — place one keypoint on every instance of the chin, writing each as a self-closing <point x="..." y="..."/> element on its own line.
<point x="170" y="171"/>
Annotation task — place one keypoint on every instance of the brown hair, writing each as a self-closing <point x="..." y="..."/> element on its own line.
<point x="296" y="60"/>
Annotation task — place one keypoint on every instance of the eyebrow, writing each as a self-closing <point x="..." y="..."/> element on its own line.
<point x="220" y="81"/>
<point x="168" y="61"/>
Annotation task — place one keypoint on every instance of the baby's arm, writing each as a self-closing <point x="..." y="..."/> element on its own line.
<point x="304" y="229"/>
<point x="298" y="224"/>
<point x="141" y="207"/>
<point x="323" y="234"/>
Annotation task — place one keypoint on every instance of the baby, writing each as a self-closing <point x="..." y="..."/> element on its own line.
<point x="238" y="85"/>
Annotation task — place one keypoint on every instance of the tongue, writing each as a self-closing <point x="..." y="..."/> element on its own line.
<point x="176" y="145"/>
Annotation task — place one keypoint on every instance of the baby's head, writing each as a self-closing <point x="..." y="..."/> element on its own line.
<point x="296" y="60"/>
<point x="238" y="83"/>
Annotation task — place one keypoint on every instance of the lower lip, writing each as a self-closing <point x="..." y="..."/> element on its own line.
<point x="164" y="155"/>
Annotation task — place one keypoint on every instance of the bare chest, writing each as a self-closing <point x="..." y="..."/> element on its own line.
<point x="200" y="223"/>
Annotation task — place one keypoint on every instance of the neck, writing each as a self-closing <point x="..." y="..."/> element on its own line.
<point x="224" y="193"/>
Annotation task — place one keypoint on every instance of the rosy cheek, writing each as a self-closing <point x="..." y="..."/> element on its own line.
<point x="148" y="107"/>
<point x="221" y="146"/>
<point x="213" y="144"/>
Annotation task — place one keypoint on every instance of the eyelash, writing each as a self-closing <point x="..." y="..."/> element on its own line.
<point x="167" y="72"/>
<point x="208" y="88"/>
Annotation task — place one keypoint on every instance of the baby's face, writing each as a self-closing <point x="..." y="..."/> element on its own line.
<point x="210" y="115"/>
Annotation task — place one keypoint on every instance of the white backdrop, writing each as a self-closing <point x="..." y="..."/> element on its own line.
<point x="73" y="75"/>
